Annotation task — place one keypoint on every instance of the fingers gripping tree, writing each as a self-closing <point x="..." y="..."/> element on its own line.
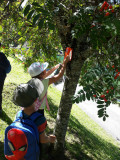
<point x="92" y="31"/>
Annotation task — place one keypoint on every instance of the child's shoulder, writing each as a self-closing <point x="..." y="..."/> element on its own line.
<point x="33" y="116"/>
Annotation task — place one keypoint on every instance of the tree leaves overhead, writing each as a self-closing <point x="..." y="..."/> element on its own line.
<point x="30" y="14"/>
<point x="50" y="25"/>
<point x="27" y="9"/>
<point x="36" y="18"/>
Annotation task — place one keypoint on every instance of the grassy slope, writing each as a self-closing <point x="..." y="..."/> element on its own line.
<point x="85" y="140"/>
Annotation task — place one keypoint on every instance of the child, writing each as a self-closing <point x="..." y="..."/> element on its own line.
<point x="25" y="95"/>
<point x="37" y="70"/>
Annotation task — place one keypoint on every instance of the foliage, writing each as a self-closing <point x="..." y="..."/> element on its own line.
<point x="17" y="31"/>
<point x="100" y="73"/>
<point x="43" y="25"/>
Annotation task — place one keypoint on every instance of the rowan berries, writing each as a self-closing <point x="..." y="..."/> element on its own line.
<point x="102" y="96"/>
<point x="107" y="14"/>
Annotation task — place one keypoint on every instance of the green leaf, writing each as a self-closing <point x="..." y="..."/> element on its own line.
<point x="77" y="100"/>
<point x="35" y="4"/>
<point x="101" y="112"/>
<point x="108" y="103"/>
<point x="27" y="10"/>
<point x="88" y="96"/>
<point x="40" y="23"/>
<point x="73" y="100"/>
<point x="100" y="102"/>
<point x="30" y="14"/>
<point x="100" y="106"/>
<point x="104" y="118"/>
<point x="1" y="28"/>
<point x="19" y="33"/>
<point x="51" y="26"/>
<point x="36" y="18"/>
<point x="44" y="12"/>
<point x="83" y="97"/>
<point x="106" y="115"/>
<point x="80" y="99"/>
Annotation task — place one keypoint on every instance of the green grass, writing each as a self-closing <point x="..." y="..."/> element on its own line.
<point x="85" y="140"/>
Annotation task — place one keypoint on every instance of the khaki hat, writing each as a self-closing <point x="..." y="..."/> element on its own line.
<point x="37" y="83"/>
<point x="25" y="94"/>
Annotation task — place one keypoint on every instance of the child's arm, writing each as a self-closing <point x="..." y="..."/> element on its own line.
<point x="61" y="72"/>
<point x="51" y="71"/>
<point x="47" y="139"/>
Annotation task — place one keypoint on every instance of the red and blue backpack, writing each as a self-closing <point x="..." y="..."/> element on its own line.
<point x="22" y="138"/>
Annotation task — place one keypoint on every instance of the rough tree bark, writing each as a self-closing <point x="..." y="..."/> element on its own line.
<point x="72" y="77"/>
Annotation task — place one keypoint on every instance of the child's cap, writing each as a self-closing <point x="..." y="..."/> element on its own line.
<point x="37" y="83"/>
<point x="36" y="68"/>
<point x="25" y="94"/>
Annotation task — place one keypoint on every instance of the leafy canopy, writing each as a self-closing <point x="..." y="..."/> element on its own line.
<point x="42" y="24"/>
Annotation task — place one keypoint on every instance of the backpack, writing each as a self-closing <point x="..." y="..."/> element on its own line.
<point x="25" y="140"/>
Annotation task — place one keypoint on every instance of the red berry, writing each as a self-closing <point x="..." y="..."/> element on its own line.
<point x="105" y="8"/>
<point x="112" y="87"/>
<point x="107" y="5"/>
<point x="101" y="9"/>
<point x="102" y="96"/>
<point x="110" y="7"/>
<point x="92" y="26"/>
<point x="107" y="14"/>
<point x="105" y="2"/>
<point x="112" y="10"/>
<point x="107" y="91"/>
<point x="105" y="99"/>
<point x="113" y="66"/>
<point x="116" y="70"/>
<point x="115" y="77"/>
<point x="94" y="95"/>
<point x="3" y="46"/>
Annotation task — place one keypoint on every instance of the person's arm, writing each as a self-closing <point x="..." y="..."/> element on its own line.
<point x="51" y="71"/>
<point x="47" y="139"/>
<point x="61" y="72"/>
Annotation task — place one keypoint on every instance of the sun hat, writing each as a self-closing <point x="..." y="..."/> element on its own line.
<point x="25" y="95"/>
<point x="36" y="68"/>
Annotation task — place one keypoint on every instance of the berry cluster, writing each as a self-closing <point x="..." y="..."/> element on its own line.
<point x="105" y="7"/>
<point x="117" y="75"/>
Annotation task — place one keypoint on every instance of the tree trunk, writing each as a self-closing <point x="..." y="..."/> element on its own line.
<point x="72" y="76"/>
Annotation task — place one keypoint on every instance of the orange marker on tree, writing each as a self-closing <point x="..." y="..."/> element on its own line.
<point x="68" y="52"/>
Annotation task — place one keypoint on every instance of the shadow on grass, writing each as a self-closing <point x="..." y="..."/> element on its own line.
<point x="6" y="118"/>
<point x="86" y="145"/>
<point x="2" y="157"/>
<point x="53" y="108"/>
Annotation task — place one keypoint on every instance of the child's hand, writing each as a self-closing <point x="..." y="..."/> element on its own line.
<point x="67" y="59"/>
<point x="52" y="138"/>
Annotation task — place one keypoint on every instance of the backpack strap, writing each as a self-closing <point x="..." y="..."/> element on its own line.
<point x="29" y="121"/>
<point x="19" y="115"/>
